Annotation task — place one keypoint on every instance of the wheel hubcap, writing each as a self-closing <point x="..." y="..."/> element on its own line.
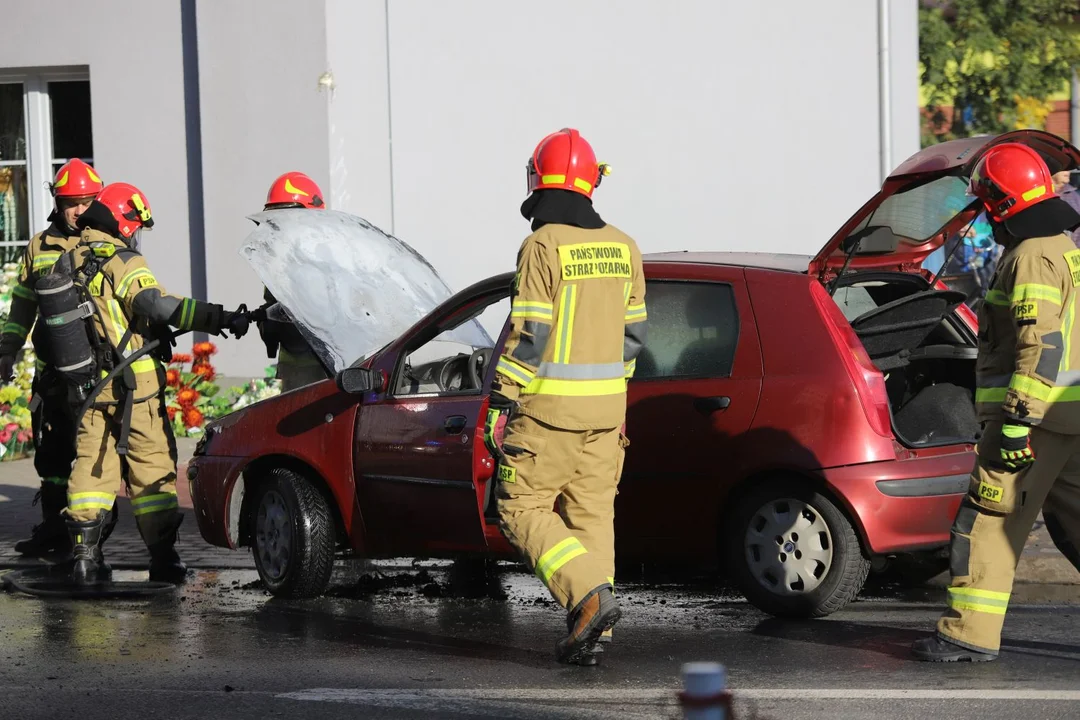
<point x="789" y="547"/>
<point x="273" y="535"/>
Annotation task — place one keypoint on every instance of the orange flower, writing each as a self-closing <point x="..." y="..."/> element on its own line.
<point x="180" y="359"/>
<point x="205" y="371"/>
<point x="192" y="418"/>
<point x="172" y="413"/>
<point x="172" y="377"/>
<point x="186" y="398"/>
<point x="204" y="349"/>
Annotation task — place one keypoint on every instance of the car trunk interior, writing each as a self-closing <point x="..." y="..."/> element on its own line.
<point x="924" y="350"/>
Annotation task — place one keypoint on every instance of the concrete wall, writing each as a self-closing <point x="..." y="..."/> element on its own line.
<point x="904" y="61"/>
<point x="133" y="50"/>
<point x="262" y="115"/>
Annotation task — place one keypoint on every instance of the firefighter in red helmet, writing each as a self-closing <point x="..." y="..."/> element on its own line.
<point x="126" y="425"/>
<point x="577" y="324"/>
<point x="1026" y="375"/>
<point x="297" y="364"/>
<point x="73" y="189"/>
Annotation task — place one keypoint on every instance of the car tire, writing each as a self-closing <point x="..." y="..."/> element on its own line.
<point x="292" y="535"/>
<point x="783" y="573"/>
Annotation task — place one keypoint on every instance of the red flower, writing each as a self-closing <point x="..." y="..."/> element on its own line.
<point x="205" y="371"/>
<point x="5" y="436"/>
<point x="180" y="359"/>
<point x="24" y="436"/>
<point x="172" y="377"/>
<point x="172" y="413"/>
<point x="192" y="418"/>
<point x="204" y="349"/>
<point x="186" y="398"/>
<point x="11" y="427"/>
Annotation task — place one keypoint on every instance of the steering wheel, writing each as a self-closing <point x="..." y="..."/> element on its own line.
<point x="478" y="364"/>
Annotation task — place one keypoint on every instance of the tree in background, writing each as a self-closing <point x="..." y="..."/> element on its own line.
<point x="996" y="62"/>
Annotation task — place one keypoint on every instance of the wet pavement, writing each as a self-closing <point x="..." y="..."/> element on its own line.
<point x="421" y="641"/>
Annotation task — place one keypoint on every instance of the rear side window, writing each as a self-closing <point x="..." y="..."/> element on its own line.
<point x="693" y="331"/>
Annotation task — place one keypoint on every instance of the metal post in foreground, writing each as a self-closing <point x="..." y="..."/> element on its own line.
<point x="705" y="695"/>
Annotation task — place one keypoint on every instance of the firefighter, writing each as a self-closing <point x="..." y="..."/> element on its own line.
<point x="577" y="323"/>
<point x="1027" y="378"/>
<point x="128" y="423"/>
<point x="74" y="187"/>
<point x="297" y="364"/>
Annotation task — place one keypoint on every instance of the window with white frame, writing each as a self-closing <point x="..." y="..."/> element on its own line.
<point x="44" y="122"/>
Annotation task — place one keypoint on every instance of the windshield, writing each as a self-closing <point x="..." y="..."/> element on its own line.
<point x="911" y="217"/>
<point x="349" y="287"/>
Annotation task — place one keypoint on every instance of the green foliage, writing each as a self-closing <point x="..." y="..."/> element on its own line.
<point x="999" y="59"/>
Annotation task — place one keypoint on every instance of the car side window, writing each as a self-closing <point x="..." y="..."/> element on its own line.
<point x="441" y="365"/>
<point x="693" y="331"/>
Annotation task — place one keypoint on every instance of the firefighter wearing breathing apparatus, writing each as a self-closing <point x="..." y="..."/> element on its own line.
<point x="100" y="304"/>
<point x="297" y="364"/>
<point x="1028" y="398"/>
<point x="577" y="324"/>
<point x="74" y="187"/>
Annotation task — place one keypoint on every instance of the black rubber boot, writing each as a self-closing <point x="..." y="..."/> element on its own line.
<point x="51" y="535"/>
<point x="88" y="562"/>
<point x="165" y="562"/>
<point x="596" y="613"/>
<point x="936" y="649"/>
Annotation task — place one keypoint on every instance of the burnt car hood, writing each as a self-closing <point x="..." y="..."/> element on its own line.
<point x="348" y="286"/>
<point x="924" y="202"/>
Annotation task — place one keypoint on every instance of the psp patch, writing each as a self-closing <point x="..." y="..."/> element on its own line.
<point x="507" y="474"/>
<point x="1026" y="312"/>
<point x="1073" y="258"/>
<point x="991" y="492"/>
<point x="147" y="282"/>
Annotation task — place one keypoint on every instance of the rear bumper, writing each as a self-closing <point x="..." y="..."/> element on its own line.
<point x="211" y="479"/>
<point x="904" y="505"/>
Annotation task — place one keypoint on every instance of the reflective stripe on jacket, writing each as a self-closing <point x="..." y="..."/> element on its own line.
<point x="577" y="322"/>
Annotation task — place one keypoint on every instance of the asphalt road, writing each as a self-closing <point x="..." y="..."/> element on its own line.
<point x="420" y="645"/>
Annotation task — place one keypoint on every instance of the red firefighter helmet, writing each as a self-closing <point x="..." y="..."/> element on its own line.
<point x="1010" y="178"/>
<point x="76" y="179"/>
<point x="565" y="161"/>
<point x="294" y="189"/>
<point x="127" y="206"/>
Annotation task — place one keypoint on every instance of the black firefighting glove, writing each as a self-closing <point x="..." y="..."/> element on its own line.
<point x="7" y="368"/>
<point x="236" y="322"/>
<point x="1016" y="453"/>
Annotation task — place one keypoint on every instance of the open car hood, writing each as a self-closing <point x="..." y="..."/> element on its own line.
<point x="348" y="286"/>
<point x="924" y="202"/>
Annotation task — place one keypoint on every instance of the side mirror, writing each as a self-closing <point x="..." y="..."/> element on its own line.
<point x="357" y="381"/>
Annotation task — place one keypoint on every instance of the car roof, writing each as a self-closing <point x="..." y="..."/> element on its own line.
<point x="768" y="261"/>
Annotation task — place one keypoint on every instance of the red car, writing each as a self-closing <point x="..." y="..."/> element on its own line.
<point x="791" y="418"/>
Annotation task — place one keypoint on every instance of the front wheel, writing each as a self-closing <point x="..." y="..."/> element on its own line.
<point x="293" y="539"/>
<point x="793" y="552"/>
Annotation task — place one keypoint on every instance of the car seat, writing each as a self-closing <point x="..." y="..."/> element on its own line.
<point x="708" y="356"/>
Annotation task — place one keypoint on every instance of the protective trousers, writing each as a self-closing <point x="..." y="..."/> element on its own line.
<point x="54" y="431"/>
<point x="151" y="468"/>
<point x="572" y="552"/>
<point x="992" y="526"/>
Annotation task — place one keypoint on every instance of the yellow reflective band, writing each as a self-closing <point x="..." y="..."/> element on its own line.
<point x="562" y="553"/>
<point x="144" y="365"/>
<point x="11" y="328"/>
<point x="990" y="492"/>
<point x="93" y="175"/>
<point x="532" y="309"/>
<point x="23" y="292"/>
<point x="515" y="372"/>
<point x="45" y="260"/>
<point x="292" y="189"/>
<point x="91" y="501"/>
<point x="1034" y="193"/>
<point x="996" y="297"/>
<point x="153" y="503"/>
<point x="53" y="480"/>
<point x="1032" y="387"/>
<point x="118" y="322"/>
<point x="635" y="313"/>
<point x="125" y="284"/>
<point x="585" y="261"/>
<point x="62" y="181"/>
<point x="552" y="179"/>
<point x="583" y="184"/>
<point x="576" y="388"/>
<point x="187" y="314"/>
<point x="507" y="474"/>
<point x="627" y="288"/>
<point x="565" y="329"/>
<point x="1066" y="333"/>
<point x="1033" y="291"/>
<point x="144" y="212"/>
<point x="986" y="601"/>
<point x="991" y="395"/>
<point x="96" y="284"/>
<point x="630" y="368"/>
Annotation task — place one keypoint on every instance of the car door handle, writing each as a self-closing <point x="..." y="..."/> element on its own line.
<point x="454" y="424"/>
<point x="709" y="405"/>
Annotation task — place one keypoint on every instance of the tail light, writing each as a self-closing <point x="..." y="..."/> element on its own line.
<point x="868" y="380"/>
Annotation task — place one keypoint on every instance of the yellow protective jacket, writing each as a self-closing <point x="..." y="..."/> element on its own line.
<point x="43" y="250"/>
<point x="577" y="323"/>
<point x="126" y="295"/>
<point x="1028" y="368"/>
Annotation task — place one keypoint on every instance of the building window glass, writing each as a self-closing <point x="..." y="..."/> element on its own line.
<point x="44" y="122"/>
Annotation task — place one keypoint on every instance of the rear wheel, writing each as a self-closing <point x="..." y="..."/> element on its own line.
<point x="793" y="552"/>
<point x="292" y="535"/>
